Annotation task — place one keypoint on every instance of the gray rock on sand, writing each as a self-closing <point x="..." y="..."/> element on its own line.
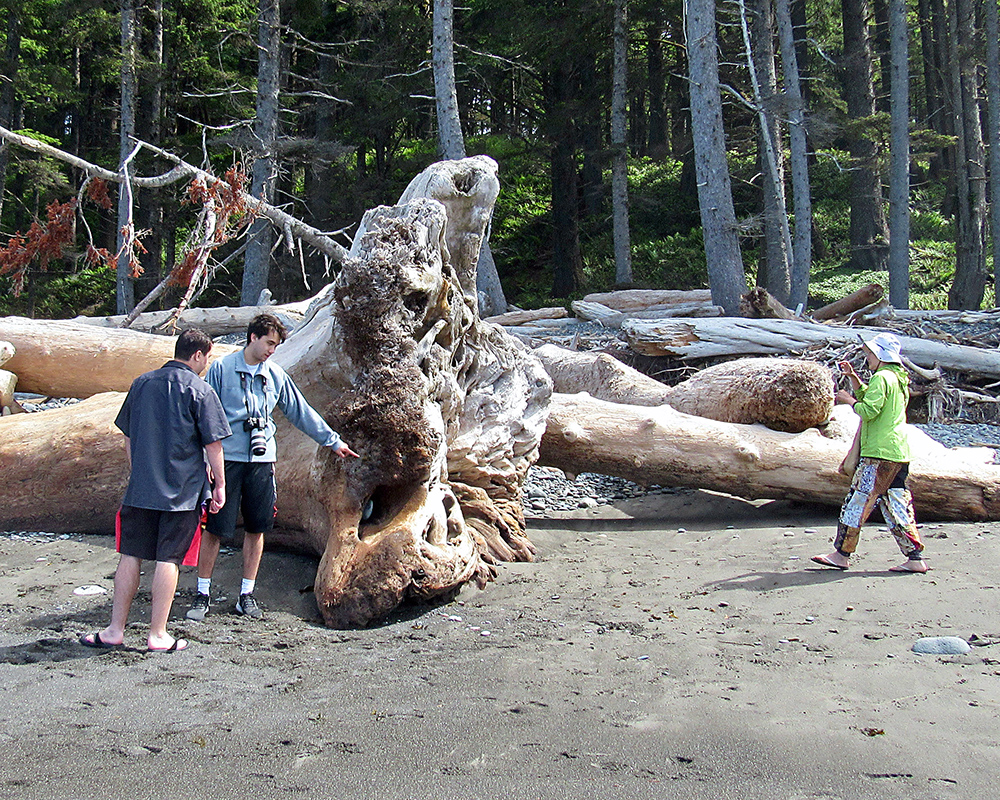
<point x="941" y="645"/>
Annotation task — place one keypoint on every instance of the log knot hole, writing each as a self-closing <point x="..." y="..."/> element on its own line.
<point x="574" y="432"/>
<point x="747" y="452"/>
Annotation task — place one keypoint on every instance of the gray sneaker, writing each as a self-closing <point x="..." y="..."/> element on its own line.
<point x="199" y="608"/>
<point x="248" y="607"/>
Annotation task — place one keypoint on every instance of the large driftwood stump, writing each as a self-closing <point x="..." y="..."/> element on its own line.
<point x="446" y="411"/>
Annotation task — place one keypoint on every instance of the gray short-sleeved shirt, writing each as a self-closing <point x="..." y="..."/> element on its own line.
<point x="169" y="415"/>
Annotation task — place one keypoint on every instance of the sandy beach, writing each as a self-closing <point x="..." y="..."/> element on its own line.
<point x="675" y="646"/>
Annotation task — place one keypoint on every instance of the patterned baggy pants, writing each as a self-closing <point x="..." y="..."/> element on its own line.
<point x="883" y="484"/>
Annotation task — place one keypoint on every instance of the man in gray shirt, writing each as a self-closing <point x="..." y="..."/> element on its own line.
<point x="171" y="419"/>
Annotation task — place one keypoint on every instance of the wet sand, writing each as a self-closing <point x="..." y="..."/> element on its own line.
<point x="676" y="646"/>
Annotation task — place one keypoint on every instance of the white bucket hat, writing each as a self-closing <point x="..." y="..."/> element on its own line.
<point x="886" y="348"/>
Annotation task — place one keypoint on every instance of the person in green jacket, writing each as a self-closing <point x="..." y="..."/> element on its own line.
<point x="880" y="479"/>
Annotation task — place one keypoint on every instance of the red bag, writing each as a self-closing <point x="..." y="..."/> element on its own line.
<point x="190" y="557"/>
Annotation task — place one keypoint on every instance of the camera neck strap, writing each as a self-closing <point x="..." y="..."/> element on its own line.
<point x="253" y="407"/>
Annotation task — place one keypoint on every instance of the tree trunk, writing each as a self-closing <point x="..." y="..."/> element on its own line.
<point x="992" y="31"/>
<point x="619" y="165"/>
<point x="869" y="237"/>
<point x="257" y="262"/>
<point x="882" y="48"/>
<point x="451" y="142"/>
<point x="899" y="178"/>
<point x="588" y="116"/>
<point x="934" y="110"/>
<point x="970" y="263"/>
<point x="8" y="92"/>
<point x="799" y="160"/>
<point x="656" y="143"/>
<point x="567" y="262"/>
<point x="666" y="447"/>
<point x="759" y="42"/>
<point x="150" y="206"/>
<point x="125" y="292"/>
<point x="944" y="48"/>
<point x="715" y="198"/>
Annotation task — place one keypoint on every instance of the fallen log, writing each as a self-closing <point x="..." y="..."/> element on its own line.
<point x="609" y="318"/>
<point x="864" y="296"/>
<point x="733" y="336"/>
<point x="600" y="375"/>
<point x="759" y="303"/>
<point x="645" y="299"/>
<point x="72" y="359"/>
<point x="669" y="448"/>
<point x="222" y="321"/>
<point x="597" y="312"/>
<point x="522" y="317"/>
<point x="782" y="393"/>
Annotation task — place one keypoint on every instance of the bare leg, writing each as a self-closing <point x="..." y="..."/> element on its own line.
<point x="253" y="549"/>
<point x="207" y="555"/>
<point x="164" y="586"/>
<point x="126" y="585"/>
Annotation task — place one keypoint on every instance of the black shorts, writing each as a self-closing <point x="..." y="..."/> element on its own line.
<point x="157" y="535"/>
<point x="250" y="489"/>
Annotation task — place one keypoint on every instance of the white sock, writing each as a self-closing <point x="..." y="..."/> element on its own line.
<point x="247" y="586"/>
<point x="205" y="586"/>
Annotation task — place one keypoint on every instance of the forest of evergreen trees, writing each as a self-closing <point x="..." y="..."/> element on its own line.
<point x="838" y="168"/>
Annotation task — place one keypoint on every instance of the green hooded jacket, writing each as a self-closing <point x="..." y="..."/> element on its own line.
<point x="882" y="408"/>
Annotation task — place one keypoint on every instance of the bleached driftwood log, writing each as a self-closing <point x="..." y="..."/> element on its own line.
<point x="523" y="317"/>
<point x="610" y="318"/>
<point x="782" y="393"/>
<point x="733" y="336"/>
<point x="667" y="447"/>
<point x="600" y="375"/>
<point x="221" y="321"/>
<point x="446" y="412"/>
<point x="71" y="359"/>
<point x="646" y="299"/>
<point x="64" y="470"/>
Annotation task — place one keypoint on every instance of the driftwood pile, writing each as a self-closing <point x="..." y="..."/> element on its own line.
<point x="952" y="356"/>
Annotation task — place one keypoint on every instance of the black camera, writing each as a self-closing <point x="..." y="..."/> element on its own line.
<point x="258" y="441"/>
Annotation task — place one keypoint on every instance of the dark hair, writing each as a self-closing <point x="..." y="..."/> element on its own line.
<point x="263" y="324"/>
<point x="190" y="342"/>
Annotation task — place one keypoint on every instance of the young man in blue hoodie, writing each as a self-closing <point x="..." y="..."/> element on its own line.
<point x="251" y="387"/>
